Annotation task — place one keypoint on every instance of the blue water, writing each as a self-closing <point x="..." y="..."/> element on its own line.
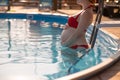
<point x="32" y="47"/>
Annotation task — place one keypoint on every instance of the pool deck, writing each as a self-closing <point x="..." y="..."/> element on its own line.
<point x="112" y="73"/>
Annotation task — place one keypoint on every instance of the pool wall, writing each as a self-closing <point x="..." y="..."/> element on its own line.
<point x="47" y="17"/>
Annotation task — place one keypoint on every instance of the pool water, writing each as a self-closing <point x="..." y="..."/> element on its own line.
<point x="32" y="47"/>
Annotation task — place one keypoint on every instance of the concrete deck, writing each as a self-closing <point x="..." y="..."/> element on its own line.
<point x="112" y="73"/>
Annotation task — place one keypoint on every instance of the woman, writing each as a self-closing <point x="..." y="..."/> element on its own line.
<point x="73" y="35"/>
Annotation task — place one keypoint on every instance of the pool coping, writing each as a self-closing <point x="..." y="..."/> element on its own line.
<point x="87" y="73"/>
<point x="93" y="70"/>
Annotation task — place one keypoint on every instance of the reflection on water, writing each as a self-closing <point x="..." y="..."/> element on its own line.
<point x="33" y="47"/>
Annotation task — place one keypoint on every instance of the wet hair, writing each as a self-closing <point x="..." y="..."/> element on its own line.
<point x="92" y="1"/>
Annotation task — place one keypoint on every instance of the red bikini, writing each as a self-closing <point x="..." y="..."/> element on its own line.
<point x="76" y="46"/>
<point x="72" y="22"/>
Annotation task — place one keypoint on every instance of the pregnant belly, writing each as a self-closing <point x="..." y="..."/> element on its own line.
<point x="66" y="34"/>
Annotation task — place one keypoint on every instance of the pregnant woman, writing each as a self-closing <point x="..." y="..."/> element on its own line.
<point x="73" y="35"/>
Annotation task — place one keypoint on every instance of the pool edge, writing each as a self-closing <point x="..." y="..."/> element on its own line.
<point x="98" y="68"/>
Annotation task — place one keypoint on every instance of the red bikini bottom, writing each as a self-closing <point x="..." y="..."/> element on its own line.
<point x="76" y="46"/>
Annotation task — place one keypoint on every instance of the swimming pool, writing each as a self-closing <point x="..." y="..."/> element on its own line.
<point x="30" y="45"/>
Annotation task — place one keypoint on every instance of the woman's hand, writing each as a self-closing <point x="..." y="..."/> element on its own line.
<point x="66" y="26"/>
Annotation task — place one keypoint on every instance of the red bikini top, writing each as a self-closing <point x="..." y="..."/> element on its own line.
<point x="72" y="22"/>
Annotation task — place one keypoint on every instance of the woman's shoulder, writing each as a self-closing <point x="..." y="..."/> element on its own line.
<point x="87" y="14"/>
<point x="87" y="17"/>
